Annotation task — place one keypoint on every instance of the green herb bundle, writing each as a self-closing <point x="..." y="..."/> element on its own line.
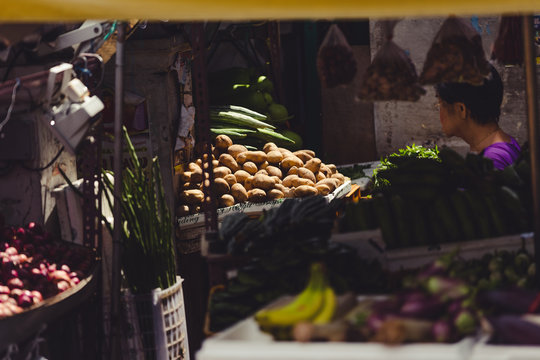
<point x="148" y="256"/>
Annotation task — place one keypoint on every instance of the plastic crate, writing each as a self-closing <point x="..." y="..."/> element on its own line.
<point x="155" y="326"/>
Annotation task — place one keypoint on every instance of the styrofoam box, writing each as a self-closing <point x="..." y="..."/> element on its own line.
<point x="369" y="244"/>
<point x="484" y="351"/>
<point x="244" y="341"/>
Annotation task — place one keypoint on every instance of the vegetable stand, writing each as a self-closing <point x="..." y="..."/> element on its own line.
<point x="300" y="9"/>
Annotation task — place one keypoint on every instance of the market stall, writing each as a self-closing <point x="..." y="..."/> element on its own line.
<point x="221" y="345"/>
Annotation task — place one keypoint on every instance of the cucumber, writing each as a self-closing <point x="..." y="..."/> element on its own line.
<point x="464" y="214"/>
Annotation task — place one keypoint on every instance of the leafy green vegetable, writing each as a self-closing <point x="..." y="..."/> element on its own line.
<point x="393" y="160"/>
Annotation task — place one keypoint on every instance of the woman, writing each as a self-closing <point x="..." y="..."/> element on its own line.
<point x="472" y="113"/>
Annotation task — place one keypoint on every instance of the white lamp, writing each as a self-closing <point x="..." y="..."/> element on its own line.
<point x="69" y="111"/>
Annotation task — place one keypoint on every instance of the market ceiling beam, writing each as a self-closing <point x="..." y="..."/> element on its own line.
<point x="241" y="10"/>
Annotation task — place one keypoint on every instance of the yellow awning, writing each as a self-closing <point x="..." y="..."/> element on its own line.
<point x="182" y="10"/>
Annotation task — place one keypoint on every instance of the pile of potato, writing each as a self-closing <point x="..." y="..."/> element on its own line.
<point x="241" y="175"/>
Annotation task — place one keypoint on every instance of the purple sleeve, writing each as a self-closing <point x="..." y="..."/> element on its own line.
<point x="502" y="154"/>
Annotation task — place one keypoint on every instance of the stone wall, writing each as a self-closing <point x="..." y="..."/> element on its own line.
<point x="401" y="123"/>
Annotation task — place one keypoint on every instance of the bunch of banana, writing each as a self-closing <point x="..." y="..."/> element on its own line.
<point x="316" y="304"/>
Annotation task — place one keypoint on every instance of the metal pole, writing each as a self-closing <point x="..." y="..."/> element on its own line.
<point x="117" y="166"/>
<point x="532" y="117"/>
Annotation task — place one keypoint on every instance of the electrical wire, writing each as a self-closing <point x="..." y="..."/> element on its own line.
<point x="10" y="109"/>
<point x="46" y="166"/>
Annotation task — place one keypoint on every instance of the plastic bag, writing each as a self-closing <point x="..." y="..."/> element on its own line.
<point x="336" y="63"/>
<point x="391" y="75"/>
<point x="456" y="55"/>
<point x="508" y="46"/>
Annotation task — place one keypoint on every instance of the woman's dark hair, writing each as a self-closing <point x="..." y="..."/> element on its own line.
<point x="484" y="101"/>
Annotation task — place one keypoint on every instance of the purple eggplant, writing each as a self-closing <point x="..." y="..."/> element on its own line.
<point x="465" y="322"/>
<point x="447" y="288"/>
<point x="428" y="307"/>
<point x="513" y="330"/>
<point x="513" y="301"/>
<point x="442" y="331"/>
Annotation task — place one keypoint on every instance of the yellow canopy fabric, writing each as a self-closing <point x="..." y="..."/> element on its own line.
<point x="193" y="10"/>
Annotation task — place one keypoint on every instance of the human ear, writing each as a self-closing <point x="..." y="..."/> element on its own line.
<point x="461" y="109"/>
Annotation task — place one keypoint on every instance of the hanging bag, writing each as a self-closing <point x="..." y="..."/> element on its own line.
<point x="508" y="46"/>
<point x="391" y="75"/>
<point x="336" y="64"/>
<point x="456" y="55"/>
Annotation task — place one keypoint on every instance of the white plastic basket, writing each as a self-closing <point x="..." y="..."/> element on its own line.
<point x="155" y="326"/>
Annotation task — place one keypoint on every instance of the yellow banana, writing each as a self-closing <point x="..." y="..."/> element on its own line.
<point x="303" y="308"/>
<point x="329" y="308"/>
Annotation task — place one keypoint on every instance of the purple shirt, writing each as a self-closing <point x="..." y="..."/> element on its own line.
<point x="502" y="153"/>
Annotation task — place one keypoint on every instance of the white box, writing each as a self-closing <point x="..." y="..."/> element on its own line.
<point x="244" y="341"/>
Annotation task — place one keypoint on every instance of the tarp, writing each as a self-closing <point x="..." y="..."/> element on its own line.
<point x="184" y="10"/>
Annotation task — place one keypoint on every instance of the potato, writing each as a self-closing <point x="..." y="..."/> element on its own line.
<point x="228" y="161"/>
<point x="293" y="171"/>
<point x="195" y="209"/>
<point x="338" y="176"/>
<point x="230" y="179"/>
<point x="274" y="194"/>
<point x="198" y="162"/>
<point x="274" y="171"/>
<point x="305" y="157"/>
<point x="256" y="195"/>
<point x="325" y="170"/>
<point x="250" y="167"/>
<point x="221" y="171"/>
<point x="264" y="172"/>
<point x="323" y="189"/>
<point x="197" y="176"/>
<point x="332" y="168"/>
<point x="194" y="167"/>
<point x="288" y="181"/>
<point x="281" y="188"/>
<point x="301" y="181"/>
<point x="182" y="210"/>
<point x="285" y="152"/>
<point x="305" y="190"/>
<point x="221" y="186"/>
<point x="236" y="149"/>
<point x="274" y="157"/>
<point x="289" y="162"/>
<point x="319" y="176"/>
<point x="223" y="142"/>
<point x="190" y="185"/>
<point x="248" y="183"/>
<point x="264" y="182"/>
<point x="185" y="176"/>
<point x="239" y="193"/>
<point x="258" y="157"/>
<point x="331" y="183"/>
<point x="270" y="146"/>
<point x="264" y="165"/>
<point x="192" y="197"/>
<point x="216" y="152"/>
<point x="241" y="176"/>
<point x="289" y="192"/>
<point x="215" y="163"/>
<point x="306" y="174"/>
<point x="309" y="152"/>
<point x="226" y="200"/>
<point x="314" y="165"/>
<point x="241" y="158"/>
<point x="276" y="179"/>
